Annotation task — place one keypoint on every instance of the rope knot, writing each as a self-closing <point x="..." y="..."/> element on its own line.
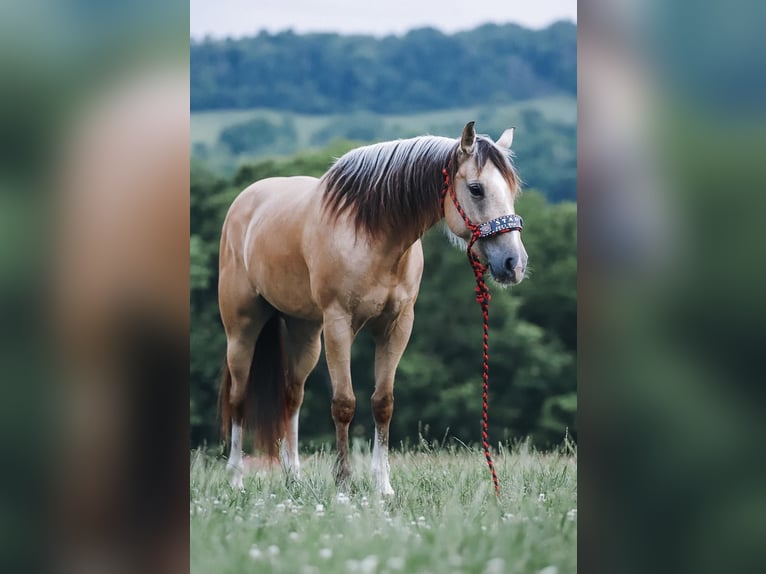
<point x="482" y="297"/>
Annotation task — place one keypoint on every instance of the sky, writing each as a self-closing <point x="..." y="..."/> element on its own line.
<point x="235" y="18"/>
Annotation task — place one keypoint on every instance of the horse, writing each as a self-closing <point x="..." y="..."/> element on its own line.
<point x="302" y="257"/>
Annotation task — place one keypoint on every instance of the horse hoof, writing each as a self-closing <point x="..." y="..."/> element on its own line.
<point x="387" y="490"/>
<point x="236" y="476"/>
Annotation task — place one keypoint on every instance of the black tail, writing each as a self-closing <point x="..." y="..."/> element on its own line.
<point x="264" y="409"/>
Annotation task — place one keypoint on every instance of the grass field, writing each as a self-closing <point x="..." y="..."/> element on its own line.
<point x="444" y="517"/>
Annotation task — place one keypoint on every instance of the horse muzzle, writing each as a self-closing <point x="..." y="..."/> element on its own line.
<point x="508" y="269"/>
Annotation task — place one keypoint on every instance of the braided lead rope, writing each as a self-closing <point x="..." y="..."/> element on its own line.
<point x="482" y="297"/>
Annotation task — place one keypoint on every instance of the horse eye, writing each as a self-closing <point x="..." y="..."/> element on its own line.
<point x="476" y="189"/>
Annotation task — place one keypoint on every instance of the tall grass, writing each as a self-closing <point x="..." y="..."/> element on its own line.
<point x="444" y="517"/>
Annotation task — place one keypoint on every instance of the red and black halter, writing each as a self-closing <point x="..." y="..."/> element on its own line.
<point x="496" y="226"/>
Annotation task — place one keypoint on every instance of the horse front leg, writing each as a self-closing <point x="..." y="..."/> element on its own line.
<point x="339" y="336"/>
<point x="390" y="341"/>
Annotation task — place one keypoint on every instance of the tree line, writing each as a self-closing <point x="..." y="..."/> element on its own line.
<point x="424" y="69"/>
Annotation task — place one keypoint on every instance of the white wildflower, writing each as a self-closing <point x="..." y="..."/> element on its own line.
<point x="319" y="509"/>
<point x="572" y="514"/>
<point x="294" y="536"/>
<point x="273" y="550"/>
<point x="395" y="563"/>
<point x="495" y="566"/>
<point x="369" y="565"/>
<point x="255" y="553"/>
<point x="549" y="570"/>
<point x="325" y="553"/>
<point x="541" y="497"/>
<point x="343" y="498"/>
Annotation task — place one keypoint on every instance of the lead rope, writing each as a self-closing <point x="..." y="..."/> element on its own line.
<point x="483" y="298"/>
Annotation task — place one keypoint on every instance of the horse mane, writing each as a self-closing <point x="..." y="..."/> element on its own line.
<point x="396" y="186"/>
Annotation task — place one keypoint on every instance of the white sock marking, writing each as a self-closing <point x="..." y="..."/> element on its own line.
<point x="380" y="467"/>
<point x="289" y="448"/>
<point x="235" y="457"/>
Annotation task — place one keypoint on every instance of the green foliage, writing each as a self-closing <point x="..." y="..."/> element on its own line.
<point x="258" y="135"/>
<point x="438" y="388"/>
<point x="421" y="70"/>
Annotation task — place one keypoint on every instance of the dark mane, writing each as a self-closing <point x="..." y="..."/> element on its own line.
<point x="396" y="186"/>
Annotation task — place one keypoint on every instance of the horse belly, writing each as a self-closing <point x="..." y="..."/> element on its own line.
<point x="280" y="276"/>
<point x="293" y="300"/>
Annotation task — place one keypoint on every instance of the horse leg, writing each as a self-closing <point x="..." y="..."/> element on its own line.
<point x="338" y="337"/>
<point x="304" y="346"/>
<point x="390" y="341"/>
<point x="241" y="337"/>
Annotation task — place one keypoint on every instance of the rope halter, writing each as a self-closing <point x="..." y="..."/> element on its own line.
<point x="496" y="226"/>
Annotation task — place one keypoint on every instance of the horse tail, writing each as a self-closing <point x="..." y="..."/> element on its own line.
<point x="265" y="408"/>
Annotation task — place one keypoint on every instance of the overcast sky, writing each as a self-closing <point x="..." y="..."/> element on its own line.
<point x="221" y="18"/>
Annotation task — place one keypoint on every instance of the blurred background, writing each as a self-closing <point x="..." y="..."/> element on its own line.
<point x="286" y="93"/>
<point x="671" y="307"/>
<point x="94" y="281"/>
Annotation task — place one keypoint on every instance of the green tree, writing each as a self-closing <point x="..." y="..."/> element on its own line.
<point x="421" y="70"/>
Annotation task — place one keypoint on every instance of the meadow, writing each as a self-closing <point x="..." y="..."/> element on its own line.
<point x="444" y="517"/>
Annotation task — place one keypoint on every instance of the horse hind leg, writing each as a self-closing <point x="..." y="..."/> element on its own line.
<point x="239" y="355"/>
<point x="304" y="346"/>
<point x="241" y="339"/>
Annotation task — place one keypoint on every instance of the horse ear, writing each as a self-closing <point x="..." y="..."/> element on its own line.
<point x="468" y="139"/>
<point x="505" y="140"/>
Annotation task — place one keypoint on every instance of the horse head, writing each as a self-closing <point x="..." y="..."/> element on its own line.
<point x="485" y="185"/>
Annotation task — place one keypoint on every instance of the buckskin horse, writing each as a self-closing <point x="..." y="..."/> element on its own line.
<point x="302" y="256"/>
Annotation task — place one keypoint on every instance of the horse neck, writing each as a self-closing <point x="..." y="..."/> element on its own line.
<point x="393" y="245"/>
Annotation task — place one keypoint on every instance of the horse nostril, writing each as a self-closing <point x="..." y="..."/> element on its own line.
<point x="510" y="264"/>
